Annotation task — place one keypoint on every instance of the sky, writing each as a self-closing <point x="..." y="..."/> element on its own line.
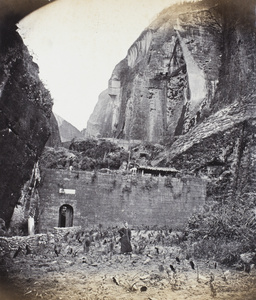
<point x="77" y="44"/>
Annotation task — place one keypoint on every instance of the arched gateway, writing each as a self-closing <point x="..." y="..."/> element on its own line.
<point x="66" y="216"/>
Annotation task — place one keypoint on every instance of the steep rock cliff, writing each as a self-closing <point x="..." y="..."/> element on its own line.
<point x="221" y="146"/>
<point x="182" y="68"/>
<point x="189" y="82"/>
<point x="103" y="116"/>
<point x="25" y="111"/>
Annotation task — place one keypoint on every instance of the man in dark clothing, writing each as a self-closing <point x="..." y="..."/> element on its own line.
<point x="125" y="240"/>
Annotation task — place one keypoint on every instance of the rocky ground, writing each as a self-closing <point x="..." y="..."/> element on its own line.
<point x="88" y="266"/>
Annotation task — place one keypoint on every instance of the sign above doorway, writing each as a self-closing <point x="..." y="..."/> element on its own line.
<point x="67" y="191"/>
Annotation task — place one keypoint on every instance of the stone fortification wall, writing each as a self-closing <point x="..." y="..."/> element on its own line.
<point x="109" y="199"/>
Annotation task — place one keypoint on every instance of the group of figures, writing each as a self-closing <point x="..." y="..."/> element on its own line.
<point x="125" y="239"/>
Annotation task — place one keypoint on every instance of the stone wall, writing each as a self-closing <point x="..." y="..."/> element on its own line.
<point x="109" y="199"/>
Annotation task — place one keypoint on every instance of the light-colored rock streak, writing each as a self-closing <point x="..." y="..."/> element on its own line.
<point x="196" y="78"/>
<point x="139" y="49"/>
<point x="115" y="104"/>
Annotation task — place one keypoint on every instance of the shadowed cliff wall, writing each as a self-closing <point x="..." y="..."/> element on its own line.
<point x="25" y="107"/>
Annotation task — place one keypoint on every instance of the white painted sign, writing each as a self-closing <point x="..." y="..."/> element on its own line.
<point x="67" y="191"/>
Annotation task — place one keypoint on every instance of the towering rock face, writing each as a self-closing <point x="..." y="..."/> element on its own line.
<point x="220" y="141"/>
<point x="182" y="68"/>
<point x="189" y="82"/>
<point x="25" y="111"/>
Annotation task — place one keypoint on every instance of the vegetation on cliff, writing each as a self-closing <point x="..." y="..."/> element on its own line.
<point x="223" y="232"/>
<point x="86" y="155"/>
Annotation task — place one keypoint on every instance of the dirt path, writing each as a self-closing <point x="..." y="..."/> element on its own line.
<point x="124" y="278"/>
<point x="158" y="269"/>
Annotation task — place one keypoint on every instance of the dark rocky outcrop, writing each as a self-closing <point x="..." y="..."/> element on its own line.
<point x="25" y="111"/>
<point x="188" y="82"/>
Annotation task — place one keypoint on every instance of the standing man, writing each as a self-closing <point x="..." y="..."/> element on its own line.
<point x="125" y="240"/>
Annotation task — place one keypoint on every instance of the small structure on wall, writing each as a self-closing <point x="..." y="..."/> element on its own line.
<point x="157" y="171"/>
